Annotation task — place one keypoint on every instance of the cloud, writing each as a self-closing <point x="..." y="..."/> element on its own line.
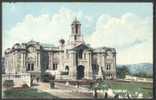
<point x="88" y="18"/>
<point x="141" y="53"/>
<point x="130" y="34"/>
<point x="43" y="28"/>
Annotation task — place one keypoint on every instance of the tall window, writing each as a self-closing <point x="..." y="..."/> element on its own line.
<point x="28" y="68"/>
<point x="76" y="28"/>
<point x="108" y="66"/>
<point x="54" y="66"/>
<point x="80" y="53"/>
<point x="84" y="55"/>
<point x="32" y="67"/>
<point x="75" y="38"/>
<point x="67" y="70"/>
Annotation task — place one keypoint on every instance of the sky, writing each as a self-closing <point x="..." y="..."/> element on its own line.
<point x="125" y="26"/>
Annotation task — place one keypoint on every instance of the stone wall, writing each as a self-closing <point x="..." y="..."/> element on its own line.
<point x="19" y="79"/>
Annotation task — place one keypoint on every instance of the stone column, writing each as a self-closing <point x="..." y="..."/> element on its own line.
<point x="39" y="61"/>
<point x="8" y="63"/>
<point x="24" y="66"/>
<point x="101" y="65"/>
<point x="36" y="62"/>
<point x="114" y="65"/>
<point x="89" y="70"/>
<point x="99" y="62"/>
<point x="21" y="64"/>
<point x="51" y="60"/>
<point x="13" y="66"/>
<point x="60" y="65"/>
<point x="73" y="67"/>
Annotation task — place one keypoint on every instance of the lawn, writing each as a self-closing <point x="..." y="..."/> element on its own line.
<point x="129" y="87"/>
<point x="26" y="93"/>
<point x="132" y="87"/>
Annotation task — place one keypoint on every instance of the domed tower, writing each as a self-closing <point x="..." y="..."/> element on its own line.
<point x="76" y="37"/>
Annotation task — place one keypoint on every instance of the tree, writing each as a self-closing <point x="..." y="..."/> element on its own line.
<point x="102" y="85"/>
<point x="122" y="72"/>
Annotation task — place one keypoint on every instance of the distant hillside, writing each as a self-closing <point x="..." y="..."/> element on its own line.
<point x="141" y="67"/>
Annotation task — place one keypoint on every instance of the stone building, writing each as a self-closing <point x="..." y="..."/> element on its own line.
<point x="73" y="59"/>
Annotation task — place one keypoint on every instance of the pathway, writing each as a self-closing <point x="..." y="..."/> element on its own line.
<point x="63" y="91"/>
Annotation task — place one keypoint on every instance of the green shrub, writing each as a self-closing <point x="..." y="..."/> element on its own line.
<point x="8" y="83"/>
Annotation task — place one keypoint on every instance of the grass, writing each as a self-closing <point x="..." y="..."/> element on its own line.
<point x="145" y="88"/>
<point x="132" y="87"/>
<point x="26" y="93"/>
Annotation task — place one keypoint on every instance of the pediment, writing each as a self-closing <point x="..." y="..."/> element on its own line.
<point x="81" y="47"/>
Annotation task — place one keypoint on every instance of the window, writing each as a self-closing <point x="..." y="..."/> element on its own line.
<point x="67" y="70"/>
<point x="84" y="55"/>
<point x="80" y="53"/>
<point x="54" y="66"/>
<point x="76" y="28"/>
<point x="75" y="38"/>
<point x="108" y="66"/>
<point x="32" y="67"/>
<point x="28" y="68"/>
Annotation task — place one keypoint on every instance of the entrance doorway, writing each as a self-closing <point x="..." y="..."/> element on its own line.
<point x="80" y="72"/>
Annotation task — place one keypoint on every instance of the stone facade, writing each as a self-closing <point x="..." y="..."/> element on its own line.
<point x="73" y="59"/>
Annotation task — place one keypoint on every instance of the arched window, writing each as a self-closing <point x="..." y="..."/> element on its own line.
<point x="67" y="69"/>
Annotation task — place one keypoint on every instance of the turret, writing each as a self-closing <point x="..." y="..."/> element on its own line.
<point x="76" y="27"/>
<point x="76" y="37"/>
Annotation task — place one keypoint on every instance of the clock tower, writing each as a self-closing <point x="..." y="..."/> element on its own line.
<point x="76" y="37"/>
